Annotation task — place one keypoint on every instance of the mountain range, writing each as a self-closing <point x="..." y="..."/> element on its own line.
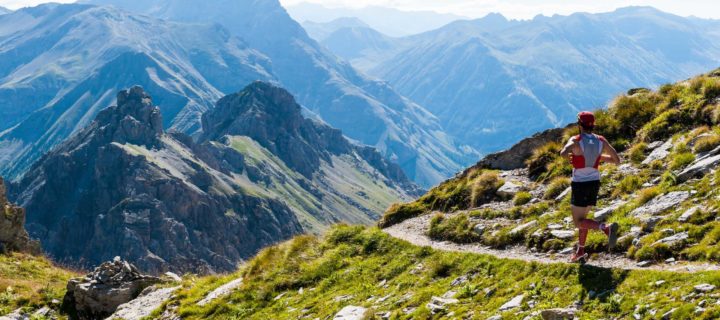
<point x="390" y="21"/>
<point x="492" y="81"/>
<point x="62" y="63"/>
<point x="259" y="173"/>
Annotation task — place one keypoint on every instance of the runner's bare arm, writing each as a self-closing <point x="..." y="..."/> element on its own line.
<point x="569" y="148"/>
<point x="610" y="155"/>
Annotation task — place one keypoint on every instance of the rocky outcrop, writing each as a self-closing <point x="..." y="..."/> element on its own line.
<point x="98" y="294"/>
<point x="141" y="307"/>
<point x="123" y="187"/>
<point x="515" y="157"/>
<point x="13" y="236"/>
<point x="270" y="115"/>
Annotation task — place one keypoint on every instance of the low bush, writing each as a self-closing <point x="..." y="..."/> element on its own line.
<point x="556" y="187"/>
<point x="707" y="143"/>
<point x="456" y="229"/>
<point x="538" y="163"/>
<point x="647" y="194"/>
<point x="400" y="212"/>
<point x="522" y="198"/>
<point x="636" y="153"/>
<point x="627" y="185"/>
<point x="681" y="160"/>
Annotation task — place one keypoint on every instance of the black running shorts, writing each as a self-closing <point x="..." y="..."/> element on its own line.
<point x="584" y="194"/>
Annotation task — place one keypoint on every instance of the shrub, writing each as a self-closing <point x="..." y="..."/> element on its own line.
<point x="637" y="152"/>
<point x="632" y="113"/>
<point x="556" y="187"/>
<point x="484" y="188"/>
<point x="540" y="159"/>
<point x="522" y="198"/>
<point x="711" y="88"/>
<point x="647" y="194"/>
<point x="707" y="143"/>
<point x="627" y="185"/>
<point x="665" y="125"/>
<point x="400" y="212"/>
<point x="681" y="160"/>
<point x="456" y="229"/>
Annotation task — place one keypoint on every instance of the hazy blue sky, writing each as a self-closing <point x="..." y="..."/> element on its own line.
<point x="514" y="9"/>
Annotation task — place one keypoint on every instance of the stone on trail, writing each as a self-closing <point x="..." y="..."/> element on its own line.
<point x="563" y="194"/>
<point x="644" y="264"/>
<point x="563" y="234"/>
<point x="558" y="314"/>
<point x="479" y="229"/>
<point x="704" y="288"/>
<point x="513" y="303"/>
<point x="351" y="313"/>
<point x="661" y="203"/>
<point x="509" y="189"/>
<point x="523" y="227"/>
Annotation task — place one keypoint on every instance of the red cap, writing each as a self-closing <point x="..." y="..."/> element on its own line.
<point x="586" y="119"/>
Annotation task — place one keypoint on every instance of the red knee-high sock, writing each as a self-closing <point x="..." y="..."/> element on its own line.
<point x="582" y="236"/>
<point x="589" y="224"/>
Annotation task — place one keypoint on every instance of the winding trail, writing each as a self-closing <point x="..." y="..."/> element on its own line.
<point x="415" y="231"/>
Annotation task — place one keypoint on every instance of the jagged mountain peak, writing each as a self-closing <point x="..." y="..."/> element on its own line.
<point x="134" y="119"/>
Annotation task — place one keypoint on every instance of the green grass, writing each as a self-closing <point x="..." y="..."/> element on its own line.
<point x="363" y="264"/>
<point x="30" y="282"/>
<point x="457" y="229"/>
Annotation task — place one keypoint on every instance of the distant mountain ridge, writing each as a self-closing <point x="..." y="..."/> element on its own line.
<point x="492" y="81"/>
<point x="123" y="186"/>
<point x="390" y="21"/>
<point x="203" y="53"/>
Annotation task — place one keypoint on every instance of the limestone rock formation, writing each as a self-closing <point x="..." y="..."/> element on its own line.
<point x="515" y="157"/>
<point x="13" y="236"/>
<point x="110" y="285"/>
<point x="123" y="187"/>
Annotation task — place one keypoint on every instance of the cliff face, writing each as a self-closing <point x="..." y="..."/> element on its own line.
<point x="123" y="187"/>
<point x="260" y="174"/>
<point x="13" y="236"/>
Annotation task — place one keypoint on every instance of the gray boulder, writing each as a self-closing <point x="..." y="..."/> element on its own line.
<point x="688" y="214"/>
<point x="351" y="313"/>
<point x="701" y="166"/>
<point x="558" y="314"/>
<point x="513" y="303"/>
<point x="661" y="203"/>
<point x="509" y="189"/>
<point x="150" y="299"/>
<point x="673" y="240"/>
<point x="100" y="293"/>
<point x="659" y="153"/>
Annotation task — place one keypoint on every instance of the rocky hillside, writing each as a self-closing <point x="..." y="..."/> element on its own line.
<point x="663" y="195"/>
<point x="262" y="173"/>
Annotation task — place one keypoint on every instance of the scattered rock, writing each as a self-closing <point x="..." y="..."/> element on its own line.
<point x="351" y="313"/>
<point x="659" y="283"/>
<point x="563" y="234"/>
<point x="644" y="264"/>
<point x="523" y="227"/>
<point x="458" y="281"/>
<point x="567" y="250"/>
<point x="674" y="239"/>
<point x="489" y="292"/>
<point x="221" y="291"/>
<point x="704" y="288"/>
<point x="659" y="153"/>
<point x="558" y="314"/>
<point x="509" y="189"/>
<point x="649" y="222"/>
<point x="339" y="298"/>
<point x="173" y="276"/>
<point x="688" y="214"/>
<point x="142" y="306"/>
<point x="438" y="304"/>
<point x="495" y="317"/>
<point x="668" y="315"/>
<point x="479" y="229"/>
<point x="110" y="285"/>
<point x="513" y="303"/>
<point x="563" y="194"/>
<point x="701" y="166"/>
<point x="661" y="203"/>
<point x="604" y="213"/>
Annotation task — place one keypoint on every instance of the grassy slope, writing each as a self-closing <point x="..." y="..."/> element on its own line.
<point x="354" y="261"/>
<point x="680" y="112"/>
<point x="30" y="282"/>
